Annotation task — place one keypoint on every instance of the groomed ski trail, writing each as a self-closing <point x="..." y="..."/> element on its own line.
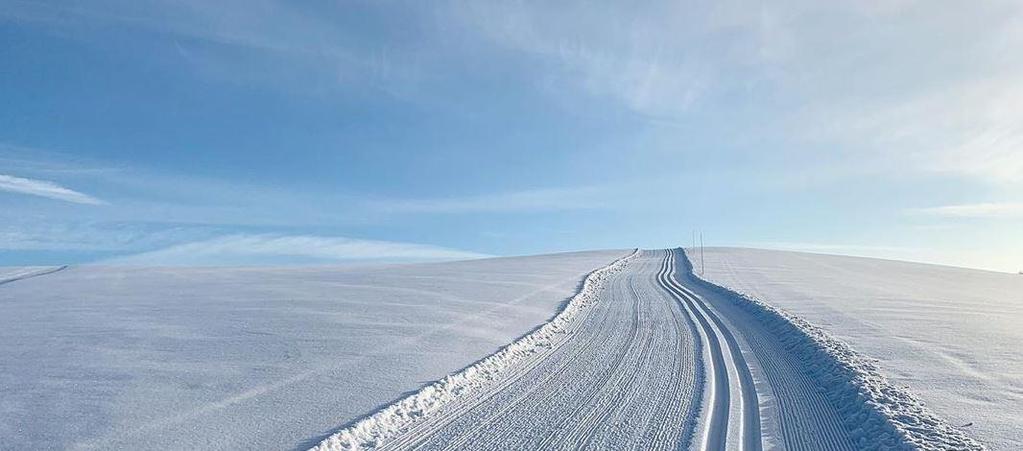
<point x="646" y="357"/>
<point x="626" y="380"/>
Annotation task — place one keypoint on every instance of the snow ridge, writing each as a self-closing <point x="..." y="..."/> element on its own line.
<point x="396" y="419"/>
<point x="27" y="272"/>
<point x="879" y="414"/>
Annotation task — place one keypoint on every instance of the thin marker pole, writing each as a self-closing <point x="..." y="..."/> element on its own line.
<point x="703" y="264"/>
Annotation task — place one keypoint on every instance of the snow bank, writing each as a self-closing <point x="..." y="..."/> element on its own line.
<point x="399" y="417"/>
<point x="183" y="358"/>
<point x="16" y="273"/>
<point x="880" y="414"/>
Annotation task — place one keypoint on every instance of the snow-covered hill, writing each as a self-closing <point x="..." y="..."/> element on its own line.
<point x="951" y="335"/>
<point x="515" y="353"/>
<point x="215" y="358"/>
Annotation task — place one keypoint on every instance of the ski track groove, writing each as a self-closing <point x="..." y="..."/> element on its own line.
<point x="736" y="363"/>
<point x="806" y="418"/>
<point x="715" y="432"/>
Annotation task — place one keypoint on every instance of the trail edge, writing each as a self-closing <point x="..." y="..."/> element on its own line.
<point x="391" y="421"/>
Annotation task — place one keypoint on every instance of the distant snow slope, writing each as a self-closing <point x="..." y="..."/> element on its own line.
<point x="214" y="358"/>
<point x="951" y="335"/>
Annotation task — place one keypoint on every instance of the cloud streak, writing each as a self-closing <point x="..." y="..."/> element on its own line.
<point x="989" y="210"/>
<point x="535" y="200"/>
<point x="43" y="188"/>
<point x="828" y="247"/>
<point x="635" y="56"/>
<point x="269" y="249"/>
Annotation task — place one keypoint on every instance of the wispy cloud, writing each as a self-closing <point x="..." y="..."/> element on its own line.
<point x="256" y="249"/>
<point x="972" y="131"/>
<point x="34" y="162"/>
<point x="1000" y="210"/>
<point x="827" y="247"/>
<point x="534" y="200"/>
<point x="46" y="189"/>
<point x="295" y="48"/>
<point x="906" y="113"/>
<point x="636" y="56"/>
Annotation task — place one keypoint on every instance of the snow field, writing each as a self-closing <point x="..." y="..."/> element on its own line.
<point x="252" y="358"/>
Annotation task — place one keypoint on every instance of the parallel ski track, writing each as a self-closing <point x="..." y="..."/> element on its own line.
<point x="807" y="420"/>
<point x="727" y="362"/>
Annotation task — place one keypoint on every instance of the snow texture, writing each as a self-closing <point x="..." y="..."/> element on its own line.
<point x="905" y="312"/>
<point x="642" y="354"/>
<point x="251" y="358"/>
<point x="398" y="418"/>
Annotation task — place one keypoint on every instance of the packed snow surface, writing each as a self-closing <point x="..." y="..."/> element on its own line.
<point x="648" y="357"/>
<point x="219" y="358"/>
<point x="950" y="336"/>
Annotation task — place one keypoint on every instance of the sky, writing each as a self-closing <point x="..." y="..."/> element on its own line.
<point x="265" y="132"/>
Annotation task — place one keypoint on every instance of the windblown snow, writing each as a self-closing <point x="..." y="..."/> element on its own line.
<point x="605" y="350"/>
<point x="950" y="336"/>
<point x="251" y="358"/>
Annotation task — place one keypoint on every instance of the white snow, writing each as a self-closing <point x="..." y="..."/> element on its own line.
<point x="399" y="417"/>
<point x="398" y="356"/>
<point x="220" y="358"/>
<point x="950" y="336"/>
<point x="639" y="360"/>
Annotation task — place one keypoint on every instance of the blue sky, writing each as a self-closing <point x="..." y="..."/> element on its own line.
<point x="252" y="132"/>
